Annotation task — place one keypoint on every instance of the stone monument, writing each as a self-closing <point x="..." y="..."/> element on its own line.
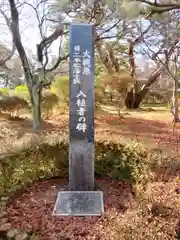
<point x="81" y="199"/>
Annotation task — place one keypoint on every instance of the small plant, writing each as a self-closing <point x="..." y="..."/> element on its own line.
<point x="124" y="162"/>
<point x="13" y="104"/>
<point x="22" y="91"/>
<point x="61" y="89"/>
<point x="4" y="91"/>
<point x="49" y="101"/>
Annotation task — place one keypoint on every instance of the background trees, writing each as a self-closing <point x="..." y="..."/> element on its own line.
<point x="34" y="75"/>
<point x="124" y="32"/>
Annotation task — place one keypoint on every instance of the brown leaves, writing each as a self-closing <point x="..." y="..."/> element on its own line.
<point x="32" y="209"/>
<point x="127" y="221"/>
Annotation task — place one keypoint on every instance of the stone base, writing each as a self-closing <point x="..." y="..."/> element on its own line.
<point x="79" y="203"/>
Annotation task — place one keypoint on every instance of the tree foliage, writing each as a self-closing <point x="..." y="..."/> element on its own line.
<point x="48" y="103"/>
<point x="115" y="21"/>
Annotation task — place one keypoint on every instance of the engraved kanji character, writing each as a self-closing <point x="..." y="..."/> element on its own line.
<point x="77" y="60"/>
<point x="76" y="79"/>
<point x="76" y="70"/>
<point x="81" y="102"/>
<point x="77" y="48"/>
<point x="81" y="127"/>
<point x="76" y="65"/>
<point x="86" y="71"/>
<point x="81" y="111"/>
<point x="86" y="54"/>
<point x="81" y="94"/>
<point x="87" y="62"/>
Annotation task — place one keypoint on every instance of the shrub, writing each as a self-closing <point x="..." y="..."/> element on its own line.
<point x="49" y="101"/>
<point x="99" y="97"/>
<point x="124" y="162"/>
<point x="61" y="89"/>
<point x="22" y="91"/>
<point x="4" y="91"/>
<point x="13" y="104"/>
<point x="44" y="160"/>
<point x="156" y="97"/>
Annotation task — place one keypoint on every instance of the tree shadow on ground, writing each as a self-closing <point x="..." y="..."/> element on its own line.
<point x="132" y="127"/>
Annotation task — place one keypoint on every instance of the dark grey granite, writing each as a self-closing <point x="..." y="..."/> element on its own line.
<point x="81" y="35"/>
<point x="82" y="203"/>
<point x="81" y="114"/>
<point x="81" y="165"/>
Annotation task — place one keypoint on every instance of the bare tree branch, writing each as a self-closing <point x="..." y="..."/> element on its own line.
<point x="161" y="5"/>
<point x="167" y="54"/>
<point x="8" y="57"/>
<point x="10" y="53"/>
<point x="48" y="41"/>
<point x="131" y="49"/>
<point x="14" y="27"/>
<point x="60" y="59"/>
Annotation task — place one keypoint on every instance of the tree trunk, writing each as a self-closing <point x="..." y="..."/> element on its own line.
<point x="175" y="101"/>
<point x="133" y="100"/>
<point x="36" y="107"/>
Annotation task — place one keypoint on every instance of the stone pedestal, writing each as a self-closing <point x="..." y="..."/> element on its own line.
<point x="79" y="203"/>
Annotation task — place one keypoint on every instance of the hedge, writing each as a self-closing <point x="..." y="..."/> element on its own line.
<point x="45" y="160"/>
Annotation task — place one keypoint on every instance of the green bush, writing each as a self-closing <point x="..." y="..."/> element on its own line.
<point x="61" y="89"/>
<point x="21" y="88"/>
<point x="124" y="162"/>
<point x="4" y="91"/>
<point x="13" y="104"/>
<point x="22" y="91"/>
<point x="49" y="101"/>
<point x="45" y="160"/>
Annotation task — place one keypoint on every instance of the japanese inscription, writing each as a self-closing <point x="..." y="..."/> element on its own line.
<point x="76" y="65"/>
<point x="81" y="83"/>
<point x="86" y="62"/>
<point x="81" y="103"/>
<point x="81" y="66"/>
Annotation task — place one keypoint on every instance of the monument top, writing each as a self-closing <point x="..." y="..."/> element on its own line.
<point x="81" y="22"/>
